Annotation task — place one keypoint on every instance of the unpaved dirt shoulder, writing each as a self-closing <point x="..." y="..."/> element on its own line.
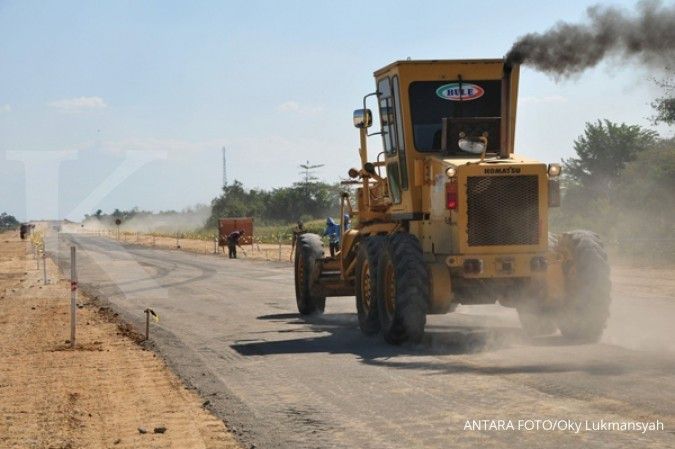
<point x="96" y="396"/>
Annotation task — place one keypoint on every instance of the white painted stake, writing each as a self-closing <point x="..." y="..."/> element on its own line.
<point x="44" y="267"/>
<point x="149" y="312"/>
<point x="73" y="296"/>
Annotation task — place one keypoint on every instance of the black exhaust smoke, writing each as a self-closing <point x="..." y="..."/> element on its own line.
<point x="647" y="37"/>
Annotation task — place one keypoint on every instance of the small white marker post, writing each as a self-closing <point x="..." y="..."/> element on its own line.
<point x="148" y="312"/>
<point x="44" y="267"/>
<point x="73" y="296"/>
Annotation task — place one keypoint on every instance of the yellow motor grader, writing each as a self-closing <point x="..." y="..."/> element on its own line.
<point x="447" y="214"/>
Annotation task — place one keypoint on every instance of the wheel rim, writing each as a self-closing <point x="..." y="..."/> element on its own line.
<point x="366" y="291"/>
<point x="390" y="289"/>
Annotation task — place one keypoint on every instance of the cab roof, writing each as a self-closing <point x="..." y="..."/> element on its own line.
<point x="430" y="62"/>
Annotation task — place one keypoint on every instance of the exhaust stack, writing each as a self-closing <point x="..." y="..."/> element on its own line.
<point x="506" y="139"/>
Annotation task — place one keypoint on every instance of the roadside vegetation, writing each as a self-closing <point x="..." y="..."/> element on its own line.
<point x="8" y="222"/>
<point x="275" y="213"/>
<point x="621" y="185"/>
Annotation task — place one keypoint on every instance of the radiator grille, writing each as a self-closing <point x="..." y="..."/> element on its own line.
<point x="503" y="210"/>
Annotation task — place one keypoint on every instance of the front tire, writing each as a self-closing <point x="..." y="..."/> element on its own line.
<point x="366" y="283"/>
<point x="309" y="249"/>
<point x="403" y="290"/>
<point x="587" y="284"/>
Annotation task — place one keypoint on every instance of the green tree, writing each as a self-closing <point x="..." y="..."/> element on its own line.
<point x="664" y="107"/>
<point x="308" y="175"/>
<point x="8" y="222"/>
<point x="602" y="152"/>
<point x="237" y="202"/>
<point x="285" y="204"/>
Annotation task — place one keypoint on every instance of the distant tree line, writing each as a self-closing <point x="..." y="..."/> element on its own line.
<point x="8" y="222"/>
<point x="304" y="200"/>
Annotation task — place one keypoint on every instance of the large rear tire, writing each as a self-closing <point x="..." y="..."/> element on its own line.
<point x="366" y="283"/>
<point x="587" y="284"/>
<point x="309" y="249"/>
<point x="403" y="290"/>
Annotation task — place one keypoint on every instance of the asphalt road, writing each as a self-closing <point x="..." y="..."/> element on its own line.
<point x="230" y="328"/>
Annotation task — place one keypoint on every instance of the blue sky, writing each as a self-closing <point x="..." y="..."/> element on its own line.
<point x="274" y="82"/>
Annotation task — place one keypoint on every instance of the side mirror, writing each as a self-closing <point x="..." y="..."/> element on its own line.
<point x="363" y="118"/>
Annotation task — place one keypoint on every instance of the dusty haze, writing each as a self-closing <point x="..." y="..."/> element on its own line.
<point x="165" y="222"/>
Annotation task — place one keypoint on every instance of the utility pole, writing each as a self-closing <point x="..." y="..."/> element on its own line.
<point x="224" y="167"/>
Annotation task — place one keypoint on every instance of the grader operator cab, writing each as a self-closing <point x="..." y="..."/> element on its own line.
<point x="447" y="214"/>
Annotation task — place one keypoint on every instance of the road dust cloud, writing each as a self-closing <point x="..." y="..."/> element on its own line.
<point x="145" y="223"/>
<point x="646" y="37"/>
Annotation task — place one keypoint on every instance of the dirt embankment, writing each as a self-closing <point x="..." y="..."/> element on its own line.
<point x="103" y="394"/>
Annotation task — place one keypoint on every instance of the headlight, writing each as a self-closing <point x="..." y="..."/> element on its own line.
<point x="554" y="170"/>
<point x="451" y="172"/>
<point x="470" y="146"/>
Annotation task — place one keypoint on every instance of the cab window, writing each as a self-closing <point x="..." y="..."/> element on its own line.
<point x="432" y="101"/>
<point x="387" y="116"/>
<point x="399" y="134"/>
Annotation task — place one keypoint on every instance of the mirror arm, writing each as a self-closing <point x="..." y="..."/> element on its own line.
<point x="369" y="95"/>
<point x="376" y="93"/>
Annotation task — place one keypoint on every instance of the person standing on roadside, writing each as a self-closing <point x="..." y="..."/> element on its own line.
<point x="297" y="232"/>
<point x="233" y="241"/>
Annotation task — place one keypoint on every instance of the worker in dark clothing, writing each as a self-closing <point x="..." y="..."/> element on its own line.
<point x="233" y="241"/>
<point x="297" y="232"/>
<point x="333" y="232"/>
<point x="24" y="230"/>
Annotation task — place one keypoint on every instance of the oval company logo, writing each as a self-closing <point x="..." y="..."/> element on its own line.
<point x="452" y="92"/>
